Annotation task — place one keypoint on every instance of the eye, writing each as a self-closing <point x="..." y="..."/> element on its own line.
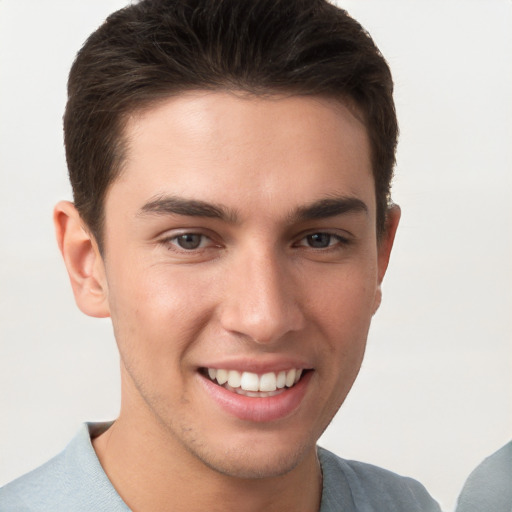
<point x="322" y="240"/>
<point x="319" y="240"/>
<point x="189" y="241"/>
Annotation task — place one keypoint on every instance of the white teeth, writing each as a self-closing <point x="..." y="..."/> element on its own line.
<point x="268" y="382"/>
<point x="290" y="378"/>
<point x="222" y="376"/>
<point x="234" y="378"/>
<point x="249" y="382"/>
<point x="252" y="383"/>
<point x="281" y="380"/>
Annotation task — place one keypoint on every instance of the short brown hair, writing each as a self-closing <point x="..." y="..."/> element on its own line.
<point x="157" y="48"/>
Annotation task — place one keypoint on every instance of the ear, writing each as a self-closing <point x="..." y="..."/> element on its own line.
<point x="385" y="244"/>
<point x="83" y="261"/>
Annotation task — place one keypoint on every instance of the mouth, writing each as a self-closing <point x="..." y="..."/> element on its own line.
<point x="254" y="385"/>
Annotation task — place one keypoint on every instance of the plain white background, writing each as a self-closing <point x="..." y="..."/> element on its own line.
<point x="434" y="395"/>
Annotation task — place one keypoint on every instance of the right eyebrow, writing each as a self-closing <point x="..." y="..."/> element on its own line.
<point x="173" y="205"/>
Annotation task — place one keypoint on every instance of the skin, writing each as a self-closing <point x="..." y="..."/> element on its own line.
<point x="257" y="290"/>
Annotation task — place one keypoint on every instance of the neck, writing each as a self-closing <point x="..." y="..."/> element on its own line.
<point x="152" y="472"/>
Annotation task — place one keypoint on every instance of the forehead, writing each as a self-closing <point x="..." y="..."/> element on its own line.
<point x="245" y="151"/>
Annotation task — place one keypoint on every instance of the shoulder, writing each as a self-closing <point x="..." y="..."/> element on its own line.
<point x="368" y="488"/>
<point x="73" y="480"/>
<point x="40" y="487"/>
<point x="489" y="486"/>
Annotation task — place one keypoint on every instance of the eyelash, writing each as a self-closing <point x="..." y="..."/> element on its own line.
<point x="172" y="242"/>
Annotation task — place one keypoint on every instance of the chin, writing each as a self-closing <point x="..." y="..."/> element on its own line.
<point x="253" y="461"/>
<point x="249" y="467"/>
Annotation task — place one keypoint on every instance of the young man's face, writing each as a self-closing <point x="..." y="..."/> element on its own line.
<point x="240" y="242"/>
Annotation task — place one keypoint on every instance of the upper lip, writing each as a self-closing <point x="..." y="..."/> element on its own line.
<point x="254" y="365"/>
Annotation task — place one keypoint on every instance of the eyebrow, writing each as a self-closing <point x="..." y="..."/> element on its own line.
<point x="322" y="209"/>
<point x="172" y="205"/>
<point x="330" y="207"/>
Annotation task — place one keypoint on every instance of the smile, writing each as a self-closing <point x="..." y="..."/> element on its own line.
<point x="257" y="397"/>
<point x="252" y="384"/>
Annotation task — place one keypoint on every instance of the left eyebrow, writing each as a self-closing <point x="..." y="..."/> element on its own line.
<point x="331" y="207"/>
<point x="172" y="205"/>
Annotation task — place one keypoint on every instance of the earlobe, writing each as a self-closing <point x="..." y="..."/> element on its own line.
<point x="82" y="259"/>
<point x="385" y="245"/>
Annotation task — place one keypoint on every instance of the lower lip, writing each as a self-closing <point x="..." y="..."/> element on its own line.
<point x="259" y="410"/>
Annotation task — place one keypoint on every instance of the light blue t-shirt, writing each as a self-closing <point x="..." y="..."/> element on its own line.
<point x="489" y="487"/>
<point x="74" y="481"/>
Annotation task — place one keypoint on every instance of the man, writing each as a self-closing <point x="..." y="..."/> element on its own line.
<point x="231" y="164"/>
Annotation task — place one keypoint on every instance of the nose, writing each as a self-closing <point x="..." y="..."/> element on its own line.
<point x="261" y="299"/>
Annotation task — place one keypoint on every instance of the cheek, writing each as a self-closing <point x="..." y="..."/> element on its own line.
<point x="344" y="304"/>
<point x="155" y="315"/>
<point x="344" y="320"/>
